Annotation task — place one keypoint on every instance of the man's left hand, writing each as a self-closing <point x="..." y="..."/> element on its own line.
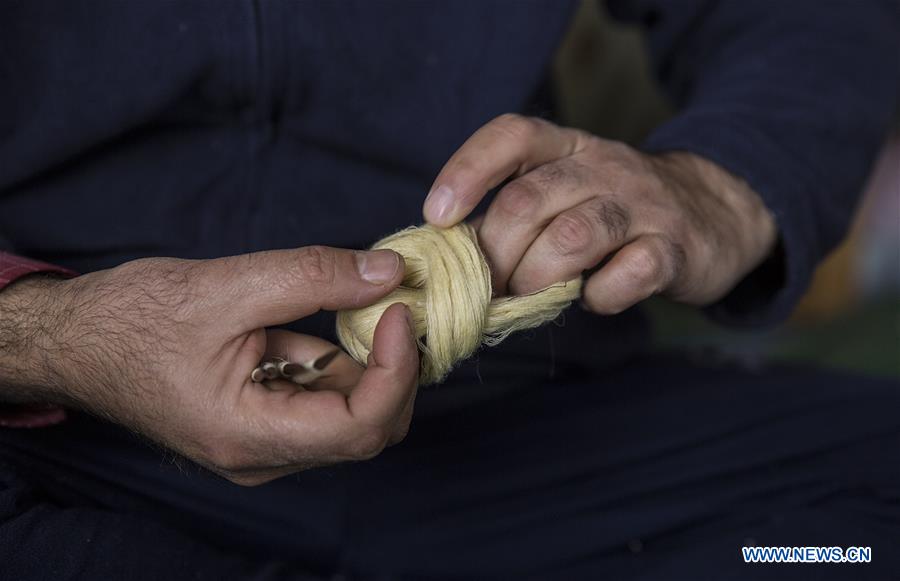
<point x="673" y="224"/>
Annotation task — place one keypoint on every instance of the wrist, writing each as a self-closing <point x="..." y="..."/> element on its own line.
<point x="33" y="317"/>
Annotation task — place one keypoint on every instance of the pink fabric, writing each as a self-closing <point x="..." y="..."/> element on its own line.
<point x="12" y="268"/>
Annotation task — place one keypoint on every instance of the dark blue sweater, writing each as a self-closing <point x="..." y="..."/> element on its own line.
<point x="206" y="128"/>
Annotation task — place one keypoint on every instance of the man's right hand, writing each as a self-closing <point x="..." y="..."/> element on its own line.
<point x="165" y="347"/>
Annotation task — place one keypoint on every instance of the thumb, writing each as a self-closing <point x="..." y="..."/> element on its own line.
<point x="281" y="286"/>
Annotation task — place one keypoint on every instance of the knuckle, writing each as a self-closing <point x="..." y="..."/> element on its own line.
<point x="563" y="175"/>
<point x="315" y="265"/>
<point x="613" y="217"/>
<point x="644" y="266"/>
<point x="520" y="199"/>
<point x="598" y="302"/>
<point x="517" y="126"/>
<point x="611" y="298"/>
<point x="677" y="257"/>
<point x="507" y="118"/>
<point x="572" y="233"/>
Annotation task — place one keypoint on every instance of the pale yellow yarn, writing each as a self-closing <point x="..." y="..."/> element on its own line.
<point x="447" y="287"/>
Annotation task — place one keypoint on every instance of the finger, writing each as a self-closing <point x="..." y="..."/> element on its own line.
<point x="281" y="286"/>
<point x="641" y="269"/>
<point x="524" y="207"/>
<point x="264" y="468"/>
<point x="401" y="428"/>
<point x="507" y="146"/>
<point x="301" y="427"/>
<point x="391" y="377"/>
<point x="342" y="374"/>
<point x="278" y="424"/>
<point x="575" y="240"/>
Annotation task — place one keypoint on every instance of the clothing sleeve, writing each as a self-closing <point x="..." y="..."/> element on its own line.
<point x="795" y="98"/>
<point x="12" y="268"/>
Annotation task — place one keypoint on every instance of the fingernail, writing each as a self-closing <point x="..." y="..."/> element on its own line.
<point x="440" y="204"/>
<point x="377" y="266"/>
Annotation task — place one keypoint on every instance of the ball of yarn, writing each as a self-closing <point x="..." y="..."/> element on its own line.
<point x="447" y="287"/>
